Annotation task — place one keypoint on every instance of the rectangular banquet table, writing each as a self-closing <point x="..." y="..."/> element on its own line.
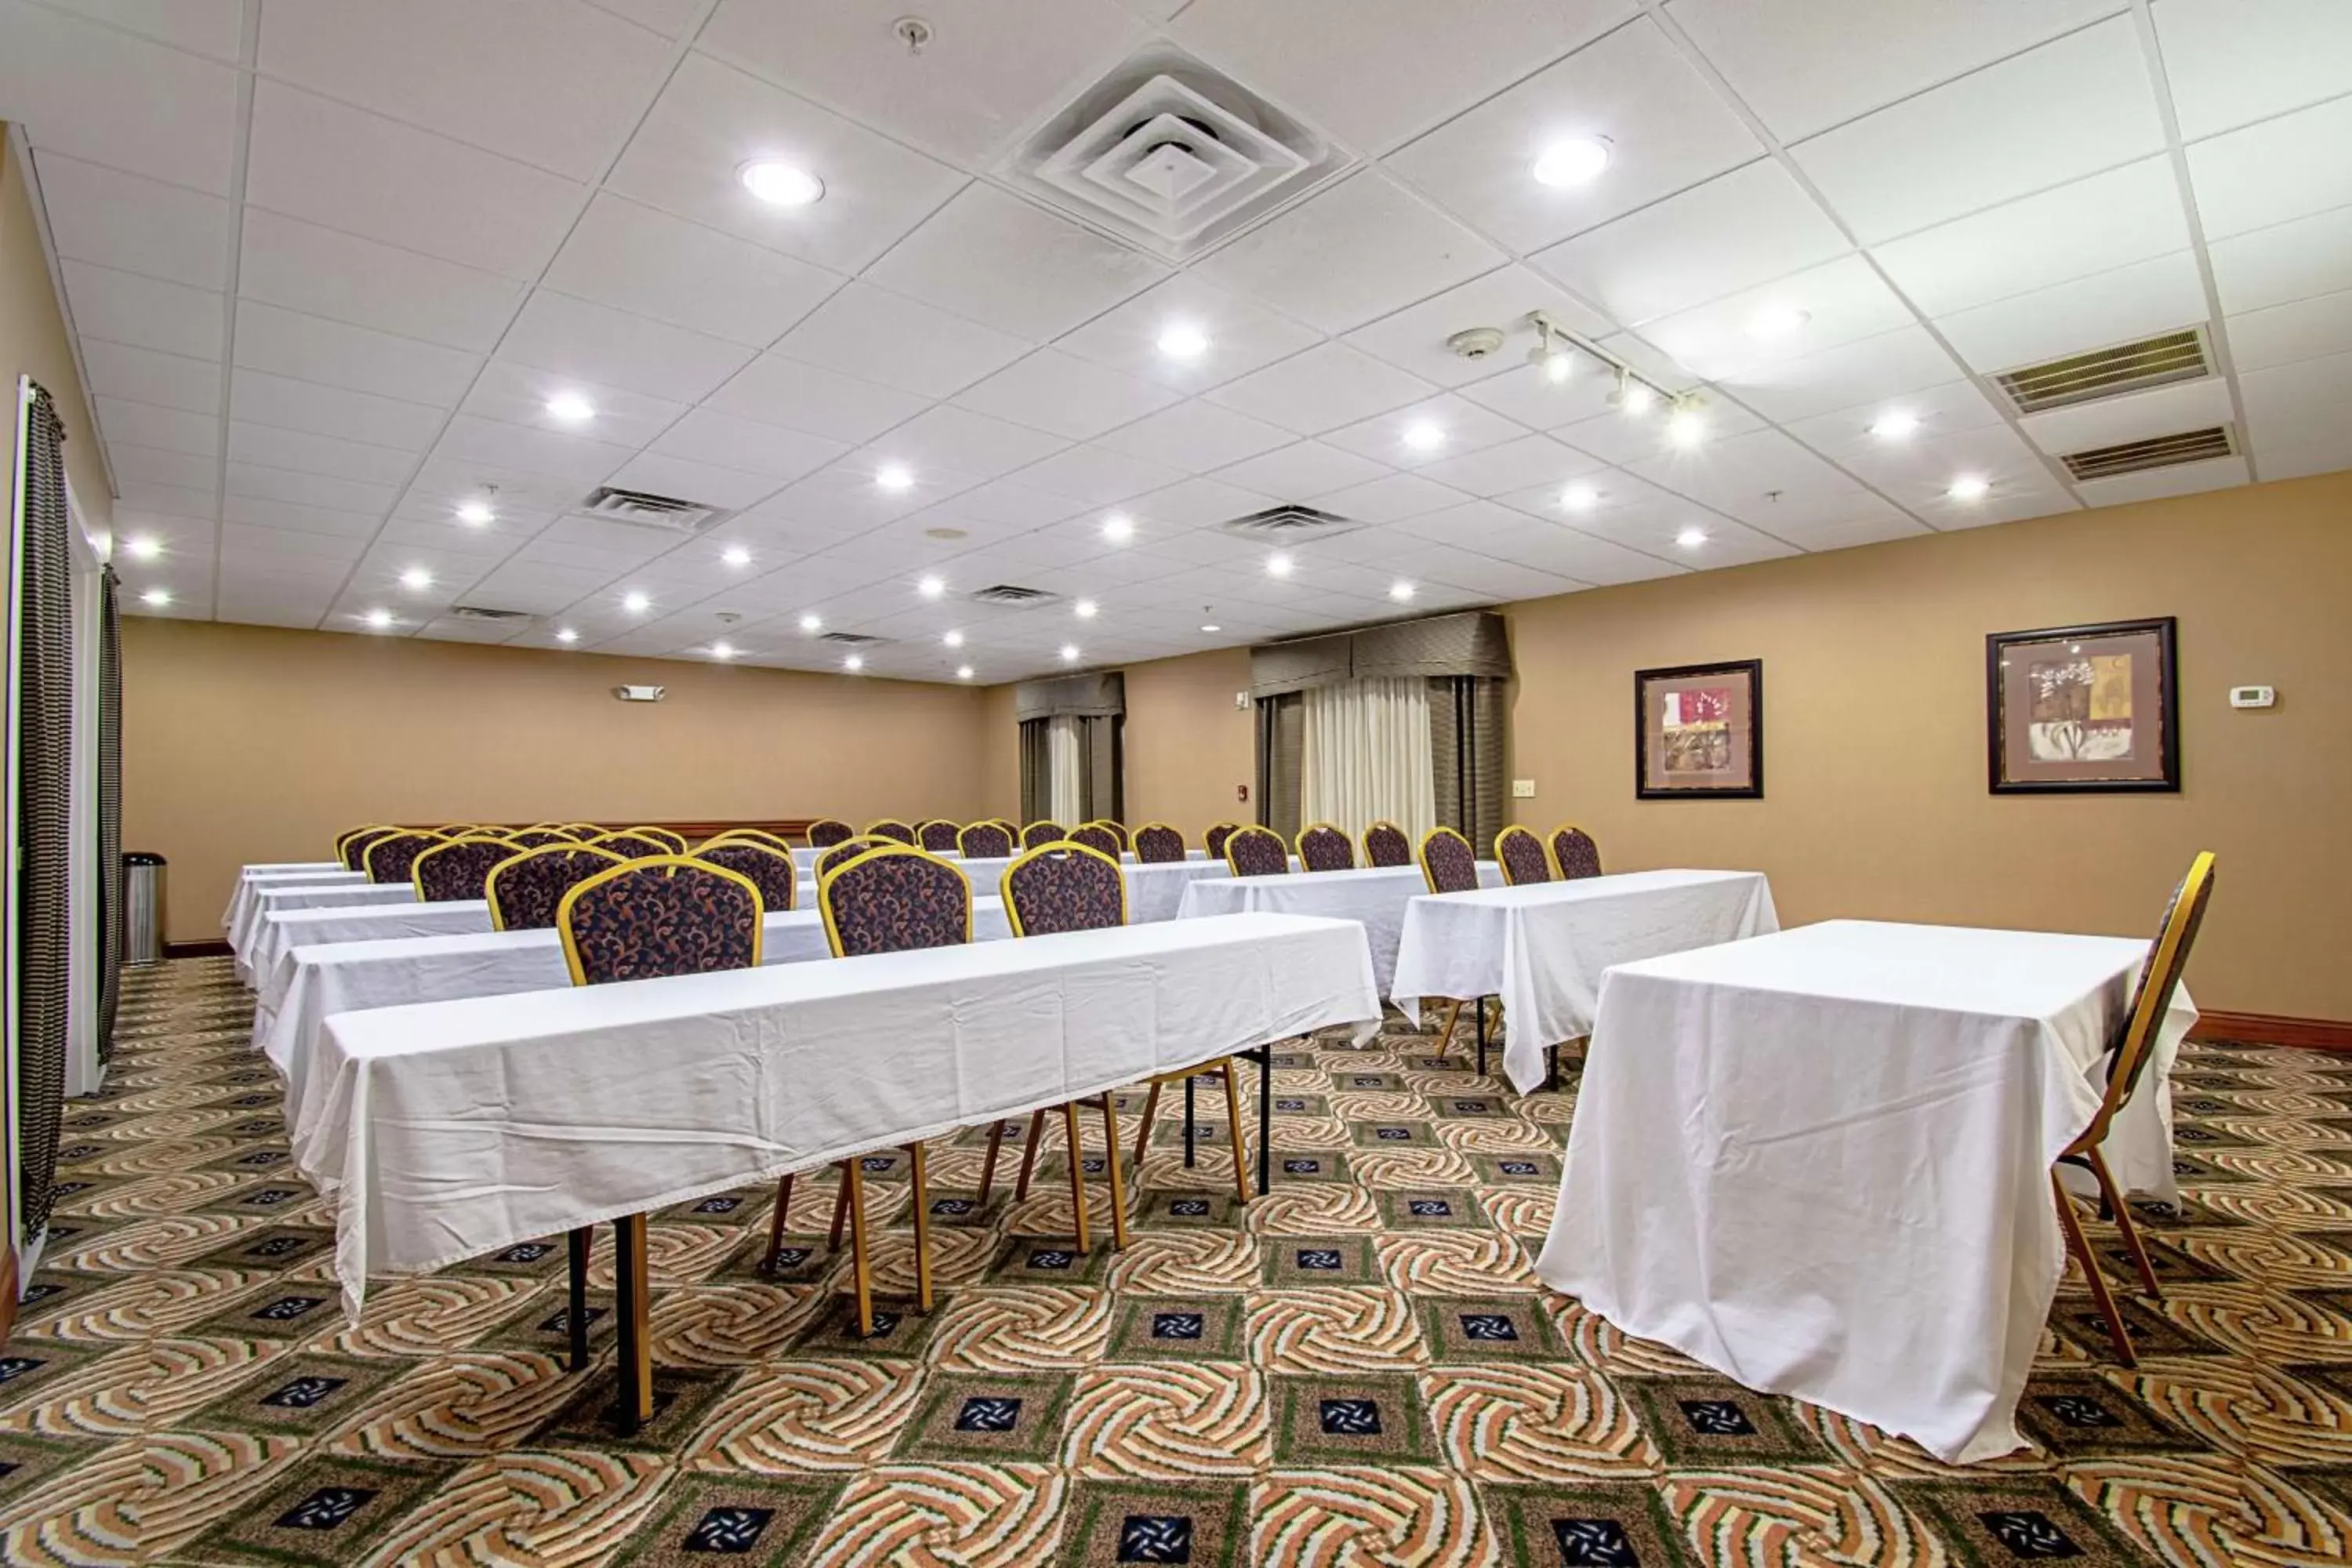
<point x="271" y="902"/>
<point x="1819" y="1160"/>
<point x="252" y="881"/>
<point x="452" y="1129"/>
<point x="1542" y="948"/>
<point x="1375" y="895"/>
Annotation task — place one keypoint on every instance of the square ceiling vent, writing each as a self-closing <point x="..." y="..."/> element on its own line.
<point x="1172" y="156"/>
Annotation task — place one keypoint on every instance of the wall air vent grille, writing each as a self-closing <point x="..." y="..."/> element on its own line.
<point x="2108" y="372"/>
<point x="2155" y="452"/>
<point x="668" y="513"/>
<point x="1289" y="525"/>
<point x="1013" y="595"/>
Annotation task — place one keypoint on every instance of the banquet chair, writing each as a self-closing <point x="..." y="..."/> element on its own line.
<point x="1257" y="852"/>
<point x="770" y="868"/>
<point x="827" y="831"/>
<point x="894" y="899"/>
<point x="1156" y="843"/>
<point x="892" y="829"/>
<point x="1050" y="890"/>
<point x="584" y="831"/>
<point x="1214" y="839"/>
<point x="1038" y="833"/>
<point x="1117" y="830"/>
<point x="1522" y="856"/>
<point x="458" y="829"/>
<point x="459" y="869"/>
<point x="776" y="841"/>
<point x="540" y="837"/>
<point x="1386" y="845"/>
<point x="525" y="890"/>
<point x="1323" y="847"/>
<point x="1448" y="864"/>
<point x="1574" y="854"/>
<point x="2134" y="1042"/>
<point x="352" y="847"/>
<point x="675" y="842"/>
<point x="843" y="853"/>
<point x="939" y="836"/>
<point x="1096" y="838"/>
<point x="984" y="841"/>
<point x="631" y="845"/>
<point x="390" y="857"/>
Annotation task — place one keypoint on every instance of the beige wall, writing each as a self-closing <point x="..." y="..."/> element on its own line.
<point x="1876" y="802"/>
<point x="1187" y="745"/>
<point x="33" y="341"/>
<point x="249" y="743"/>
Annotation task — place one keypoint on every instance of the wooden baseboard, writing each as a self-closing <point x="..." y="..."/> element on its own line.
<point x="2269" y="1029"/>
<point x="9" y="1291"/>
<point x="215" y="948"/>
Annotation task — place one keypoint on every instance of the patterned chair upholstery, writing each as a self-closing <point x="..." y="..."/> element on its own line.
<point x="1324" y="848"/>
<point x="891" y="828"/>
<point x="458" y="829"/>
<point x="1448" y="863"/>
<point x="670" y="915"/>
<point x="984" y="841"/>
<point x="1063" y="887"/>
<point x="826" y="831"/>
<point x="1214" y="839"/>
<point x="1156" y="842"/>
<point x="391" y="857"/>
<point x="1038" y="833"/>
<point x="1257" y="852"/>
<point x="352" y="847"/>
<point x="776" y="841"/>
<point x="1386" y="845"/>
<point x="1116" y="830"/>
<point x="843" y="853"/>
<point x="631" y="846"/>
<point x="1098" y="838"/>
<point x="1522" y="856"/>
<point x="459" y="869"/>
<point x="525" y="890"/>
<point x="770" y="868"/>
<point x="893" y="900"/>
<point x="939" y="836"/>
<point x="541" y="837"/>
<point x="1574" y="852"/>
<point x="585" y="831"/>
<point x="675" y="842"/>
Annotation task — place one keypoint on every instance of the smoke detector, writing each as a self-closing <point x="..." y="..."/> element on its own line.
<point x="1475" y="343"/>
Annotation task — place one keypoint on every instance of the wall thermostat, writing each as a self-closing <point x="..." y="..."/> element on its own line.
<point x="639" y="693"/>
<point x="2252" y="696"/>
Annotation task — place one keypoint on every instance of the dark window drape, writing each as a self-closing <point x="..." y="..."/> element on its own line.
<point x="1281" y="761"/>
<point x="1103" y="776"/>
<point x="110" y="933"/>
<point x="1036" y="771"/>
<point x="1465" y="756"/>
<point x="44" y="745"/>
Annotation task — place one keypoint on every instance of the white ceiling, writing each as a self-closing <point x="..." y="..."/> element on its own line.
<point x="327" y="260"/>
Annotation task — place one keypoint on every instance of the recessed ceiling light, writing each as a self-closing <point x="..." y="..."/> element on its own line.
<point x="1085" y="609"/>
<point x="953" y="639"/>
<point x="1211" y="626"/>
<point x="1181" y="340"/>
<point x="812" y="622"/>
<point x="476" y="514"/>
<point x="963" y="672"/>
<point x="853" y="663"/>
<point x="894" y="477"/>
<point x="1118" y="528"/>
<point x="1573" y="160"/>
<point x="1968" y="487"/>
<point x="931" y="587"/>
<point x="735" y="555"/>
<point x="417" y="579"/>
<point x="722" y="651"/>
<point x="1686" y="426"/>
<point x="379" y="619"/>
<point x="566" y="635"/>
<point x="1778" y="321"/>
<point x="1691" y="538"/>
<point x="636" y="601"/>
<point x="159" y="597"/>
<point x="143" y="546"/>
<point x="1400" y="592"/>
<point x="780" y="184"/>
<point x="1425" y="436"/>
<point x="1580" y="498"/>
<point x="1069" y="653"/>
<point x="1277" y="565"/>
<point x="1896" y="425"/>
<point x="570" y="407"/>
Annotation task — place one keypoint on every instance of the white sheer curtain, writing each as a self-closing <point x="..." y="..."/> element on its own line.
<point x="1065" y="750"/>
<point x="1366" y="756"/>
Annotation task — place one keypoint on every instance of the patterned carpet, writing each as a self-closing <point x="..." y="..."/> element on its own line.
<point x="1355" y="1372"/>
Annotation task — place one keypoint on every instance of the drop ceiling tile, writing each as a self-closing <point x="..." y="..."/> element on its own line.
<point x="993" y="258"/>
<point x="945" y="438"/>
<point x="180" y="501"/>
<point x="1391" y="500"/>
<point x="1890" y="524"/>
<point x="2004" y="505"/>
<point x="1377" y="71"/>
<point x="1884" y="366"/>
<point x="2163" y="294"/>
<point x="1414" y="339"/>
<point x="658" y="473"/>
<point x="712" y="119"/>
<point x="1198" y="503"/>
<point x="1195" y="436"/>
<point x="866" y="331"/>
<point x="520" y="393"/>
<point x="1917" y="473"/>
<point x="2290" y="167"/>
<point x="582" y="459"/>
<point x="595" y="540"/>
<point x="1493" y="580"/>
<point x="154" y="465"/>
<point x="707" y="436"/>
<point x="1668" y="130"/>
<point x="636" y="258"/>
<point x="2324" y="456"/>
<point x="166" y="429"/>
<point x="1939" y="411"/>
<point x="142" y="376"/>
<point x="287" y="552"/>
<point x="485" y="545"/>
<point x="2286" y="261"/>
<point x="201" y="27"/>
<point x="310" y="348"/>
<point x="551" y="82"/>
<point x="1348" y="254"/>
<point x="2282" y="335"/>
<point x="1050" y="390"/>
<point x="1241" y="336"/>
<point x="1618" y="437"/>
<point x="536" y="590"/>
<point x="2297" y="405"/>
<point x="1532" y="398"/>
<point x="2133" y="416"/>
<point x="995" y="66"/>
<point x="615" y="348"/>
<point x="1002" y="504"/>
<point x="2180" y="479"/>
<point x="2228" y="64"/>
<point x="1741" y="335"/>
<point x="144" y="312"/>
<point x="184" y="128"/>
<point x="133" y="224"/>
<point x="1460" y="426"/>
<point x="291" y="517"/>
<point x="322" y="272"/>
<point x="2054" y="113"/>
<point x="775" y="390"/>
<point x="1097" y="475"/>
<point x="1302" y="468"/>
<point x="1322" y="390"/>
<point x="350" y="170"/>
<point x="257" y="398"/>
<point x="844" y="497"/>
<point x="303" y="453"/>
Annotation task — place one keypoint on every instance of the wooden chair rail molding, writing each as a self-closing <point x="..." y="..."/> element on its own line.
<point x="2270" y="1029"/>
<point x="694" y="831"/>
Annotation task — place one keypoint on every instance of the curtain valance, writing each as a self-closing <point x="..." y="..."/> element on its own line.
<point x="1095" y="695"/>
<point x="1469" y="645"/>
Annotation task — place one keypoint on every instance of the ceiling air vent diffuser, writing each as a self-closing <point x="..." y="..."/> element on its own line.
<point x="1168" y="154"/>
<point x="1013" y="595"/>
<point x="668" y="513"/>
<point x="2108" y="372"/>
<point x="852" y="639"/>
<point x="1289" y="525"/>
<point x="485" y="613"/>
<point x="2155" y="452"/>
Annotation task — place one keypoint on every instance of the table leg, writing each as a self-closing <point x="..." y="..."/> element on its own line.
<point x="920" y="1182"/>
<point x="860" y="1278"/>
<point x="1265" y="1120"/>
<point x="1188" y="1120"/>
<point x="575" y="1305"/>
<point x="633" y="1402"/>
<point x="1482" y="1037"/>
<point x="1111" y="1151"/>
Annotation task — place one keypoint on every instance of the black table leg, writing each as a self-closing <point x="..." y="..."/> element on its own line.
<point x="1188" y="1122"/>
<point x="1482" y="1037"/>
<point x="1265" y="1120"/>
<point x="634" y="1391"/>
<point x="575" y="1313"/>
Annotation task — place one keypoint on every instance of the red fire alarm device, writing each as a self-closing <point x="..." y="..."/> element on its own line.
<point x="1241" y="791"/>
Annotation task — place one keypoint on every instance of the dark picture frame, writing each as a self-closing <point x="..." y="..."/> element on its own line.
<point x="1716" y="755"/>
<point x="2076" y="719"/>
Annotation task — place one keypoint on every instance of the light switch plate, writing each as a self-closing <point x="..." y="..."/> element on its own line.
<point x="1523" y="789"/>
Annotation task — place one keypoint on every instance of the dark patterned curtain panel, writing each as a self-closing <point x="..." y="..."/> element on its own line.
<point x="44" y="748"/>
<point x="1036" y="771"/>
<point x="1466" y="719"/>
<point x="110" y="933"/>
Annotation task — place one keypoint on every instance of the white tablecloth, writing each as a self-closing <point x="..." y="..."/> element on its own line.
<point x="1377" y="896"/>
<point x="1818" y="1161"/>
<point x="806" y="858"/>
<point x="244" y="901"/>
<point x="1542" y="948"/>
<point x="454" y="1128"/>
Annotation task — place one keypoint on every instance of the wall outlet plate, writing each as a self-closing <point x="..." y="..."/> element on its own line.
<point x="1240" y="700"/>
<point x="639" y="693"/>
<point x="1523" y="789"/>
<point x="2252" y="696"/>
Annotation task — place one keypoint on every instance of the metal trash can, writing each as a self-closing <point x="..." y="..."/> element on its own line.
<point x="143" y="907"/>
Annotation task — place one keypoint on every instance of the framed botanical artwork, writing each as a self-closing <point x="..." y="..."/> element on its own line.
<point x="2083" y="709"/>
<point x="1699" y="732"/>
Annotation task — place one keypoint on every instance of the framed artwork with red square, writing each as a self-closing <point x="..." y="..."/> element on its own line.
<point x="1699" y="732"/>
